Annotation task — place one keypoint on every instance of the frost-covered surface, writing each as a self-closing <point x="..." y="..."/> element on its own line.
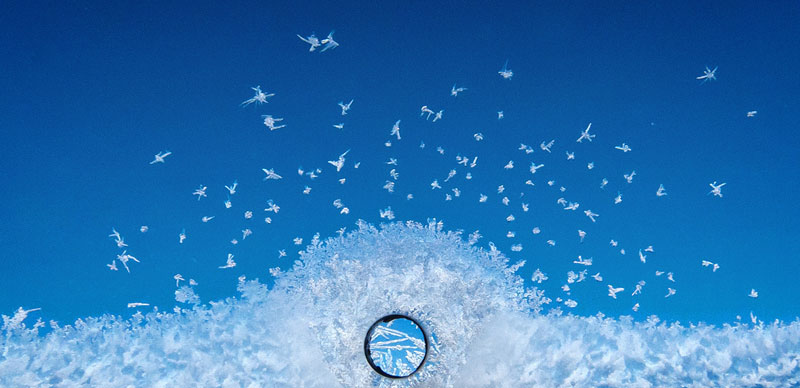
<point x="518" y="350"/>
<point x="254" y="341"/>
<point x="308" y="331"/>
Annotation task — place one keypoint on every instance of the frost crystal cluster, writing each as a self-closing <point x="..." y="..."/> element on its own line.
<point x="308" y="331"/>
<point x="450" y="287"/>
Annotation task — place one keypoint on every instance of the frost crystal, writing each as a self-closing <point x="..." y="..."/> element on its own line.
<point x="186" y="294"/>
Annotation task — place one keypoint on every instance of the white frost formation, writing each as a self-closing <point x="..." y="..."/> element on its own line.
<point x="308" y="331"/>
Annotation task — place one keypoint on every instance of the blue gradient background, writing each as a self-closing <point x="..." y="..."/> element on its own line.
<point x="88" y="93"/>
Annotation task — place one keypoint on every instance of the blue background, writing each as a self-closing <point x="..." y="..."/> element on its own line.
<point x="89" y="92"/>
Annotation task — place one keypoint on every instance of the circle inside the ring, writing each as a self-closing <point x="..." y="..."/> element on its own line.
<point x="368" y="352"/>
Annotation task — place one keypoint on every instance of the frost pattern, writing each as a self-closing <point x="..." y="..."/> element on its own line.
<point x="308" y="331"/>
<point x="397" y="351"/>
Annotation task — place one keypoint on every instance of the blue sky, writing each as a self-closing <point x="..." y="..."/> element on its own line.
<point x="91" y="92"/>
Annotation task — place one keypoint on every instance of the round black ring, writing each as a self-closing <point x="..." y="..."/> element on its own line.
<point x="387" y="319"/>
